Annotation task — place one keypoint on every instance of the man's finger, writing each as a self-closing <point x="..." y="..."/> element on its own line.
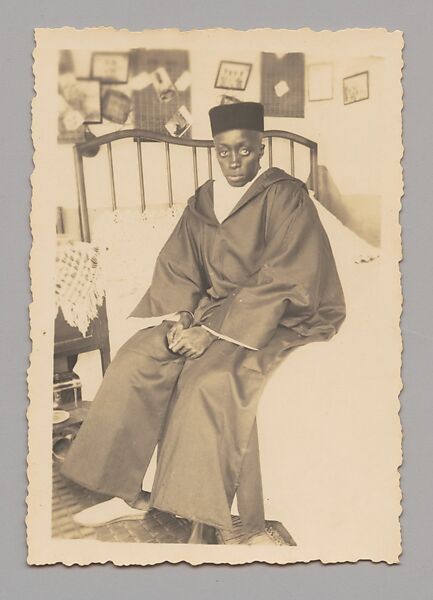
<point x="184" y="352"/>
<point x="177" y="337"/>
<point x="170" y="337"/>
<point x="196" y="353"/>
<point x="179" y="346"/>
<point x="177" y="334"/>
<point x="174" y="339"/>
<point x="176" y="344"/>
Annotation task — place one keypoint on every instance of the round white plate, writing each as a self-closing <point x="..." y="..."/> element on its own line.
<point x="60" y="416"/>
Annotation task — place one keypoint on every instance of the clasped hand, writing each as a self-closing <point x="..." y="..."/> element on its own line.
<point x="190" y="342"/>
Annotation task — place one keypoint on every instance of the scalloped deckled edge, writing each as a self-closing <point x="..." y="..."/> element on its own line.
<point x="41" y="357"/>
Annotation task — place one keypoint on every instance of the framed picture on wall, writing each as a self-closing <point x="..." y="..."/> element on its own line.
<point x="110" y="67"/>
<point x="320" y="82"/>
<point x="356" y="88"/>
<point x="233" y="75"/>
<point x="116" y="106"/>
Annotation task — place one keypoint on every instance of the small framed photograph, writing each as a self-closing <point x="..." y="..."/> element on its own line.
<point x="116" y="106"/>
<point x="356" y="88"/>
<point x="179" y="123"/>
<point x="110" y="67"/>
<point x="233" y="75"/>
<point x="320" y="82"/>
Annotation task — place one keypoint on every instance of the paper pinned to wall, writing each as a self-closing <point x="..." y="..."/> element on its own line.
<point x="141" y="81"/>
<point x="180" y="122"/>
<point x="281" y="88"/>
<point x="163" y="85"/>
<point x="320" y="82"/>
<point x="184" y="81"/>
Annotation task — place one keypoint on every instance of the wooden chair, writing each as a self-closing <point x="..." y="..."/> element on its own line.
<point x="69" y="342"/>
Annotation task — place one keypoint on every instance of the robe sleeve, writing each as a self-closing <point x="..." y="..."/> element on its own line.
<point x="295" y="285"/>
<point x="177" y="283"/>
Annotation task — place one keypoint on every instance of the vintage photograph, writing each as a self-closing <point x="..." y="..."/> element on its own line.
<point x="163" y="85"/>
<point x="356" y="88"/>
<point x="179" y="123"/>
<point x="215" y="366"/>
<point x="232" y="75"/>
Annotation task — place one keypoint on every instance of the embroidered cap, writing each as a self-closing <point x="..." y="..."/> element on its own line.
<point x="240" y="115"/>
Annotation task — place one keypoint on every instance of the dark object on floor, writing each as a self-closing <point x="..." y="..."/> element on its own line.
<point x="64" y="433"/>
<point x="156" y="527"/>
<point x="66" y="389"/>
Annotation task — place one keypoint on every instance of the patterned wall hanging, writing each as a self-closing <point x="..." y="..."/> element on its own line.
<point x="283" y="84"/>
<point x="161" y="86"/>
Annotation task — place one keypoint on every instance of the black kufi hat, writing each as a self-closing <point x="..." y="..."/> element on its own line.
<point x="241" y="115"/>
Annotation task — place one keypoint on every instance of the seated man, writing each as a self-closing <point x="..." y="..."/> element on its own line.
<point x="250" y="270"/>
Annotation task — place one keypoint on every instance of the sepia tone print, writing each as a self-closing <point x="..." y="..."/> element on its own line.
<point x="216" y="299"/>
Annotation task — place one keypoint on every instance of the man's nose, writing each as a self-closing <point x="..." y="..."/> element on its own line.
<point x="234" y="160"/>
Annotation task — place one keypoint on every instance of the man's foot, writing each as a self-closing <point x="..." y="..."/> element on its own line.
<point x="107" y="512"/>
<point x="263" y="538"/>
<point x="202" y="534"/>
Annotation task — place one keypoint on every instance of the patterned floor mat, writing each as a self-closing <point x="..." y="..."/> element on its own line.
<point x="156" y="527"/>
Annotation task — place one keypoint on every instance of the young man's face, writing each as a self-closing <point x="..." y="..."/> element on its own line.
<point x="239" y="152"/>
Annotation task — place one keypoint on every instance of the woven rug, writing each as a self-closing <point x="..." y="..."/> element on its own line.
<point x="156" y="527"/>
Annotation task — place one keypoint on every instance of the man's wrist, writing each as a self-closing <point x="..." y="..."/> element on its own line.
<point x="186" y="318"/>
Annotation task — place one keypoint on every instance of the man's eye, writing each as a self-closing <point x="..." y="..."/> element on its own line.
<point x="245" y="151"/>
<point x="223" y="153"/>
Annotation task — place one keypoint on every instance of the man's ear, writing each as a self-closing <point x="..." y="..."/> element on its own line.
<point x="262" y="150"/>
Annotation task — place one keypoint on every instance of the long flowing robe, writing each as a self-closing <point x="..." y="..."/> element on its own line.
<point x="268" y="265"/>
<point x="265" y="277"/>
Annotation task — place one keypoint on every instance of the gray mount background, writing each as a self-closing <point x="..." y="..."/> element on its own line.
<point x="413" y="578"/>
